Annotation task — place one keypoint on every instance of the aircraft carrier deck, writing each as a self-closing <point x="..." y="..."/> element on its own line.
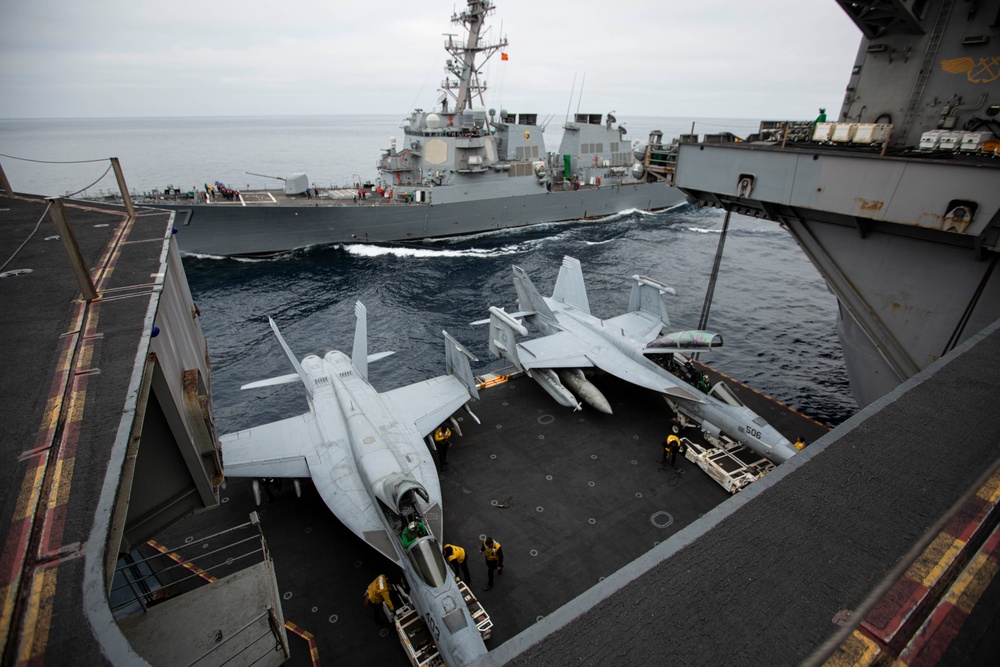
<point x="68" y="386"/>
<point x="571" y="496"/>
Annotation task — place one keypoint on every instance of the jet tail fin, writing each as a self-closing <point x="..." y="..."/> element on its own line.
<point x="529" y="296"/>
<point x="456" y="360"/>
<point x="291" y="357"/>
<point x="503" y="327"/>
<point x="570" y="288"/>
<point x="359" y="354"/>
<point x="649" y="296"/>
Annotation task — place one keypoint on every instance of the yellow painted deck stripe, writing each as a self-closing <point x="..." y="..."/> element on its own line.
<point x="969" y="587"/>
<point x="944" y="563"/>
<point x="857" y="649"/>
<point x="38" y="616"/>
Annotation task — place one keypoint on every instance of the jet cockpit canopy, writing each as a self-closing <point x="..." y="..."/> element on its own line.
<point x="425" y="556"/>
<point x="686" y="340"/>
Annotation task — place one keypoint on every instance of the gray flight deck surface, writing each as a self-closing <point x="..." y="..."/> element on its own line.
<point x="763" y="578"/>
<point x="46" y="527"/>
<point x="571" y="496"/>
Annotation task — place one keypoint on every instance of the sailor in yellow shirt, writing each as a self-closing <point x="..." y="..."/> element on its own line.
<point x="377" y="593"/>
<point x="442" y="442"/>
<point x="494" y="558"/>
<point x="456" y="558"/>
<point x="671" y="446"/>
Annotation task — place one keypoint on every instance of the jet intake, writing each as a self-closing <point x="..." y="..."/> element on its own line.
<point x="711" y="429"/>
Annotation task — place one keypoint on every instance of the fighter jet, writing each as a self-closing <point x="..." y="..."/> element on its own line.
<point x="365" y="453"/>
<point x="573" y="339"/>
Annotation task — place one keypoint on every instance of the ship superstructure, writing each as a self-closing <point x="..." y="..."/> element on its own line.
<point x="460" y="143"/>
<point x="458" y="169"/>
<point x="897" y="200"/>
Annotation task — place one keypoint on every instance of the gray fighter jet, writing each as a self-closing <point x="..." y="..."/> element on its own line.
<point x="365" y="453"/>
<point x="573" y="339"/>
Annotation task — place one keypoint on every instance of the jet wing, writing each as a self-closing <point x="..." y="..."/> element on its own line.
<point x="426" y="404"/>
<point x="558" y="350"/>
<point x="294" y="448"/>
<point x="614" y="362"/>
<point x="637" y="324"/>
<point x="277" y="449"/>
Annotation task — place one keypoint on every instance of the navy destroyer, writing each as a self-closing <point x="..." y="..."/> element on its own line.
<point x="897" y="201"/>
<point x="459" y="169"/>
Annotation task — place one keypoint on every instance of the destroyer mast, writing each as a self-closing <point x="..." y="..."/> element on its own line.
<point x="463" y="65"/>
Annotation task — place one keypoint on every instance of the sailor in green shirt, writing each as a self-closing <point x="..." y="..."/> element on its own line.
<point x="821" y="118"/>
<point x="413" y="532"/>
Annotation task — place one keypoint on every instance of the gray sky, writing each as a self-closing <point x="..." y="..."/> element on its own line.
<point x="700" y="58"/>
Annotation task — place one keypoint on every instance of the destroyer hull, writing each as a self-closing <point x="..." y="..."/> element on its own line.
<point x="233" y="230"/>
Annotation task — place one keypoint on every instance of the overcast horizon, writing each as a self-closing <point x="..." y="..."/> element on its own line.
<point x="714" y="59"/>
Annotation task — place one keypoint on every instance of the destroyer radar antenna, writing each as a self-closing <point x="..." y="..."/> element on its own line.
<point x="572" y="89"/>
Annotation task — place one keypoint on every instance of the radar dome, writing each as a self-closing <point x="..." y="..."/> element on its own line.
<point x="433" y="121"/>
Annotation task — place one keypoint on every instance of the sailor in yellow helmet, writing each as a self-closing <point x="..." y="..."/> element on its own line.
<point x="442" y="441"/>
<point x="456" y="558"/>
<point x="671" y="446"/>
<point x="494" y="558"/>
<point x="377" y="593"/>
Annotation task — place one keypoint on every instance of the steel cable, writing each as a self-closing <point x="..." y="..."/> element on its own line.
<point x="37" y="225"/>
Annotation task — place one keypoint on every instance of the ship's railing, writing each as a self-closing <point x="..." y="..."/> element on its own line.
<point x="154" y="574"/>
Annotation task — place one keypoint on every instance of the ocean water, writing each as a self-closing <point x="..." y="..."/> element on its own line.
<point x="770" y="305"/>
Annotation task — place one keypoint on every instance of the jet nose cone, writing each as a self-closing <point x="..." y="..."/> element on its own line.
<point x="783" y="451"/>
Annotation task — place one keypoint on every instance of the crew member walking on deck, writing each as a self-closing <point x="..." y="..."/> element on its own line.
<point x="670" y="448"/>
<point x="456" y="558"/>
<point x="442" y="442"/>
<point x="821" y="118"/>
<point x="494" y="559"/>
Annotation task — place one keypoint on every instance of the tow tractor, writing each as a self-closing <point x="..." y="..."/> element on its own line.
<point x="731" y="464"/>
<point x="413" y="632"/>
